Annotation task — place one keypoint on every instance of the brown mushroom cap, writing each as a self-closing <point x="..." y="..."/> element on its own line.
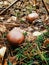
<point x="31" y="17"/>
<point x="15" y="37"/>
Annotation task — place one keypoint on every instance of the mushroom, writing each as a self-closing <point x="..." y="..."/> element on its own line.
<point x="31" y="17"/>
<point x="15" y="36"/>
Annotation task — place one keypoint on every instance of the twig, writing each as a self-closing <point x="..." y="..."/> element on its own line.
<point x="2" y="12"/>
<point x="45" y="6"/>
<point x="12" y="24"/>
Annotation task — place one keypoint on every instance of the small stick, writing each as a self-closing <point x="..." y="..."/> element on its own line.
<point x="8" y="23"/>
<point x="2" y="12"/>
<point x="45" y="6"/>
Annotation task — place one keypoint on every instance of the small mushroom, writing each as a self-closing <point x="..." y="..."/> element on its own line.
<point x="31" y="17"/>
<point x="15" y="36"/>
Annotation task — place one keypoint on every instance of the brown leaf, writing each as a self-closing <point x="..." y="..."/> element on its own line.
<point x="46" y="42"/>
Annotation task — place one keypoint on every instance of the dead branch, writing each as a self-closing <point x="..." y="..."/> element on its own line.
<point x="45" y="6"/>
<point x="2" y="12"/>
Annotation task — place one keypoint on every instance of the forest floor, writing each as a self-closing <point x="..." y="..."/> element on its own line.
<point x="35" y="49"/>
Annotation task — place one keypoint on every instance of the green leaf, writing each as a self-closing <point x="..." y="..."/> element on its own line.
<point x="25" y="33"/>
